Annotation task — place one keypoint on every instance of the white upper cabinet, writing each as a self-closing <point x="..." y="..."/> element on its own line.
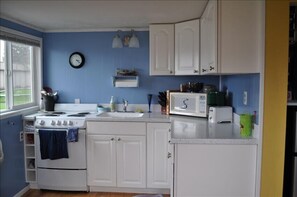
<point x="240" y="36"/>
<point x="187" y="48"/>
<point x="162" y="49"/>
<point x="208" y="41"/>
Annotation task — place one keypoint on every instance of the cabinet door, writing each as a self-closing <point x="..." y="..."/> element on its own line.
<point x="241" y="36"/>
<point x="131" y="161"/>
<point x="158" y="165"/>
<point x="162" y="49"/>
<point x="187" y="48"/>
<point x="101" y="160"/>
<point x="208" y="30"/>
<point x="215" y="170"/>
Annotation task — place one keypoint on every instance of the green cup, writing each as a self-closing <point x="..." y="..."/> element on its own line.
<point x="246" y="125"/>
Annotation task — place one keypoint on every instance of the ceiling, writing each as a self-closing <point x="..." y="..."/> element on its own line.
<point x="93" y="15"/>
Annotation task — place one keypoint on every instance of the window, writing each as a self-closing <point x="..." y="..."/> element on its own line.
<point x="19" y="70"/>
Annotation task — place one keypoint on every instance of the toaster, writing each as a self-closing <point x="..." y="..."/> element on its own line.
<point x="220" y="114"/>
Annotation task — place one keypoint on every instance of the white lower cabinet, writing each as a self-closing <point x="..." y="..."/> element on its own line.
<point x="214" y="170"/>
<point x="158" y="154"/>
<point x="116" y="160"/>
<point x="131" y="161"/>
<point x="101" y="157"/>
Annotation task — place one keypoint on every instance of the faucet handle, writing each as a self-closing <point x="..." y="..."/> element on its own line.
<point x="125" y="102"/>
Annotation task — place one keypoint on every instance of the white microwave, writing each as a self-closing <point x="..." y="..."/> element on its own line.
<point x="189" y="104"/>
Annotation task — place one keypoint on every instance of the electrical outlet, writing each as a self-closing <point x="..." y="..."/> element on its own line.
<point x="77" y="101"/>
<point x="245" y="98"/>
<point x="21" y="136"/>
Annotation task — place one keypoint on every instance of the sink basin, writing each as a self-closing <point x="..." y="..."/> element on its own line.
<point x="121" y="115"/>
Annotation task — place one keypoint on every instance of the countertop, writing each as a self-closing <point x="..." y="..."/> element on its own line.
<point x="185" y="129"/>
<point x="147" y="117"/>
<point x="200" y="131"/>
<point x="191" y="129"/>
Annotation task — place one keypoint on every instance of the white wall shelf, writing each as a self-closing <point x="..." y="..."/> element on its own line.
<point x="125" y="81"/>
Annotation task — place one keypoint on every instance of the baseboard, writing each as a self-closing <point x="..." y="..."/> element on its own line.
<point x="22" y="192"/>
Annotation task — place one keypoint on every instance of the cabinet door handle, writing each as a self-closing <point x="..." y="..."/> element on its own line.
<point x="112" y="139"/>
<point x="203" y="70"/>
<point x="195" y="71"/>
<point x="171" y="72"/>
<point x="119" y="139"/>
<point x="169" y="155"/>
<point x="211" y="68"/>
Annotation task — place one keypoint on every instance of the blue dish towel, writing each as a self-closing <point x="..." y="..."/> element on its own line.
<point x="53" y="144"/>
<point x="72" y="135"/>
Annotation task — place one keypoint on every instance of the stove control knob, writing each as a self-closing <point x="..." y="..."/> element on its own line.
<point x="70" y="123"/>
<point x="64" y="122"/>
<point x="59" y="122"/>
<point x="41" y="122"/>
<point x="53" y="122"/>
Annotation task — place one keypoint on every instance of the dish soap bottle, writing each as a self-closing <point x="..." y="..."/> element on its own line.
<point x="112" y="104"/>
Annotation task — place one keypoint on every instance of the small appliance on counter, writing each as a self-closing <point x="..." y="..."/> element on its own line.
<point x="220" y="114"/>
<point x="189" y="104"/>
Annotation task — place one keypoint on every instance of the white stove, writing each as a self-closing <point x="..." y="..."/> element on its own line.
<point x="65" y="116"/>
<point x="64" y="173"/>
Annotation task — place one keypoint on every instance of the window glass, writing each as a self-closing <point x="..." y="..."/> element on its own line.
<point x="19" y="70"/>
<point x="3" y="71"/>
<point x="22" y="73"/>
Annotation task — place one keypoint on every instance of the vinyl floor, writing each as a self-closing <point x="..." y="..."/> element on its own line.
<point x="47" y="193"/>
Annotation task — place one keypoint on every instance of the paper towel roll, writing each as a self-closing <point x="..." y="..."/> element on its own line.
<point x="1" y="152"/>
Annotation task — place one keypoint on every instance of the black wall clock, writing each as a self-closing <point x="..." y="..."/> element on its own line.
<point x="76" y="60"/>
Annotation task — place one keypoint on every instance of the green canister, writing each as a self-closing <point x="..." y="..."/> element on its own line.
<point x="246" y="125"/>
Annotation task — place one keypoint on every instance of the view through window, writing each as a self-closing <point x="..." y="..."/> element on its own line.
<point x="17" y="66"/>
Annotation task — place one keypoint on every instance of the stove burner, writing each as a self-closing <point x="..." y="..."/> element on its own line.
<point x="77" y="115"/>
<point x="51" y="115"/>
<point x="84" y="113"/>
<point x="59" y="112"/>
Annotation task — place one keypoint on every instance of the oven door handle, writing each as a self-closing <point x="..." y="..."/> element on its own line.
<point x="37" y="130"/>
<point x="79" y="130"/>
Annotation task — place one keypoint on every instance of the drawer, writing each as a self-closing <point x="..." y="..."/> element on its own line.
<point x="116" y="128"/>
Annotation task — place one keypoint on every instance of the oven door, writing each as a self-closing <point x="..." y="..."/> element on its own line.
<point x="76" y="152"/>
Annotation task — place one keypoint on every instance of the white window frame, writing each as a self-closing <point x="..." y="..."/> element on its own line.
<point x="36" y="81"/>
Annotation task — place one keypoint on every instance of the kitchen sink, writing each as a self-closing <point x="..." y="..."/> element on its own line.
<point x="120" y="115"/>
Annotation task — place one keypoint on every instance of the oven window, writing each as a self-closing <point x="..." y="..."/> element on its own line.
<point x="19" y="59"/>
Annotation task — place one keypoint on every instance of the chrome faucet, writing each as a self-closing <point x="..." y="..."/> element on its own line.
<point x="125" y="105"/>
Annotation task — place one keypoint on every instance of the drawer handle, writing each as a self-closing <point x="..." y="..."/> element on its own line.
<point x="169" y="155"/>
<point x="112" y="139"/>
<point x="119" y="139"/>
<point x="211" y="68"/>
<point x="195" y="71"/>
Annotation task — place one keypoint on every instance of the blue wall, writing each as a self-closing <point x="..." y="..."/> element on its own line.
<point x="92" y="83"/>
<point x="236" y="84"/>
<point x="12" y="170"/>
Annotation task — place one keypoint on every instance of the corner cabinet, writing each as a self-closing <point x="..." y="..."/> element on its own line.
<point x="116" y="154"/>
<point x="240" y="36"/>
<point x="208" y="41"/>
<point x="187" y="48"/>
<point x="161" y="49"/>
<point x="158" y="155"/>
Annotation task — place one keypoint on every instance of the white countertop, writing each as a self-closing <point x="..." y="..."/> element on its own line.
<point x="185" y="129"/>
<point x="188" y="130"/>
<point x="147" y="117"/>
